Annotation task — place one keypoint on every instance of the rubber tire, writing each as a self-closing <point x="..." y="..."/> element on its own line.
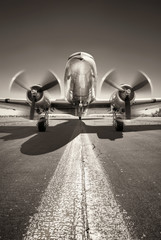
<point x="41" y="126"/>
<point x="119" y="126"/>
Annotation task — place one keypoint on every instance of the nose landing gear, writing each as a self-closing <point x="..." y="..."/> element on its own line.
<point x="79" y="111"/>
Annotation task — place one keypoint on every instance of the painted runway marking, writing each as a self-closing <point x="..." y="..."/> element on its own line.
<point x="78" y="202"/>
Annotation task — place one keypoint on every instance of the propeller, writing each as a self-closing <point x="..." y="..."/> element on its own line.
<point x="49" y="81"/>
<point x="127" y="107"/>
<point x="127" y="92"/>
<point x="110" y="78"/>
<point x="32" y="109"/>
<point x="20" y="80"/>
<point x="34" y="93"/>
<point x="141" y="81"/>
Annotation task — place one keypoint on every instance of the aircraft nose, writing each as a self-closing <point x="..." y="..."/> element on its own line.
<point x="82" y="80"/>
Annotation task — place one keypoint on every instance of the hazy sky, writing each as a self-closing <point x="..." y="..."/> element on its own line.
<point x="37" y="35"/>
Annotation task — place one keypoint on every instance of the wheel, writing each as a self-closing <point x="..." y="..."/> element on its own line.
<point x="42" y="125"/>
<point x="119" y="125"/>
<point x="79" y="112"/>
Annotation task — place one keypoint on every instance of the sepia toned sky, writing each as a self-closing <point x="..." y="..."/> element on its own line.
<point x="37" y="35"/>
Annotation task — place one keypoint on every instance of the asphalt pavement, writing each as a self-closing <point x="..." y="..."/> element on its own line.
<point x="80" y="180"/>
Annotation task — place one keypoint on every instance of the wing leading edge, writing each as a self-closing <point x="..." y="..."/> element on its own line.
<point x="66" y="107"/>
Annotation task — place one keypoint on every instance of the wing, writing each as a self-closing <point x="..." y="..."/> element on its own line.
<point x="61" y="106"/>
<point x="13" y="103"/>
<point x="141" y="105"/>
<point x="147" y="102"/>
<point x="99" y="107"/>
<point x="20" y="106"/>
<point x="96" y="107"/>
<point x="104" y="106"/>
<point x="150" y="101"/>
<point x="58" y="106"/>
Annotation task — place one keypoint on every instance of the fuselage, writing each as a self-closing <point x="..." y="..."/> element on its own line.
<point x="80" y="79"/>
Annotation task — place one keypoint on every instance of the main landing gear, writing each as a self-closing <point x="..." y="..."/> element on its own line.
<point x="43" y="123"/>
<point x="118" y="123"/>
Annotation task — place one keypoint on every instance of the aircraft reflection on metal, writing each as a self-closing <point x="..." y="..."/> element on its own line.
<point x="80" y="83"/>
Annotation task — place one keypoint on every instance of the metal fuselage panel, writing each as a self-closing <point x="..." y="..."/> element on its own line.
<point x="80" y="79"/>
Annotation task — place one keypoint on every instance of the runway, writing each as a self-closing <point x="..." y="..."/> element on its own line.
<point x="80" y="180"/>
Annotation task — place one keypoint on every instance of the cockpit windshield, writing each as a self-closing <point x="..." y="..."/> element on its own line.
<point x="79" y="54"/>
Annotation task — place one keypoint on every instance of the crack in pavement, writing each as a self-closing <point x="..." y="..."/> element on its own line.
<point x="105" y="219"/>
<point x="84" y="201"/>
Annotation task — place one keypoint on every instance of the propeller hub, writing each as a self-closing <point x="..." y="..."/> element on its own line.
<point x="34" y="93"/>
<point x="127" y="92"/>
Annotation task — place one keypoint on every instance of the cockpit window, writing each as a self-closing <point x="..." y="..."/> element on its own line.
<point x="79" y="54"/>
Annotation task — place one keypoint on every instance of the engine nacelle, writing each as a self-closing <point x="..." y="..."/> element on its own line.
<point x="41" y="101"/>
<point x="118" y="98"/>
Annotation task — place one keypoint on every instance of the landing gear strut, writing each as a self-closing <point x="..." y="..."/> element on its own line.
<point x="43" y="123"/>
<point x="118" y="122"/>
<point x="80" y="111"/>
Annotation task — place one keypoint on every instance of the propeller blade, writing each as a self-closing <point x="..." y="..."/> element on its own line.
<point x="141" y="81"/>
<point x="127" y="108"/>
<point x="49" y="82"/>
<point x="110" y="78"/>
<point x="32" y="110"/>
<point x="20" y="80"/>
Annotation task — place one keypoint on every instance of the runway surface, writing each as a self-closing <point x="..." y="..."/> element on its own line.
<point x="80" y="180"/>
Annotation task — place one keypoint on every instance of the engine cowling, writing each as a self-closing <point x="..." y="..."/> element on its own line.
<point x="123" y="98"/>
<point x="35" y="95"/>
<point x="41" y="101"/>
<point x="118" y="98"/>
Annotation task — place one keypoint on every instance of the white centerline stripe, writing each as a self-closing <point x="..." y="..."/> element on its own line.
<point x="60" y="215"/>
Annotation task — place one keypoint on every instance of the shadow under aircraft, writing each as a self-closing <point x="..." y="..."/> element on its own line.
<point x="63" y="133"/>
